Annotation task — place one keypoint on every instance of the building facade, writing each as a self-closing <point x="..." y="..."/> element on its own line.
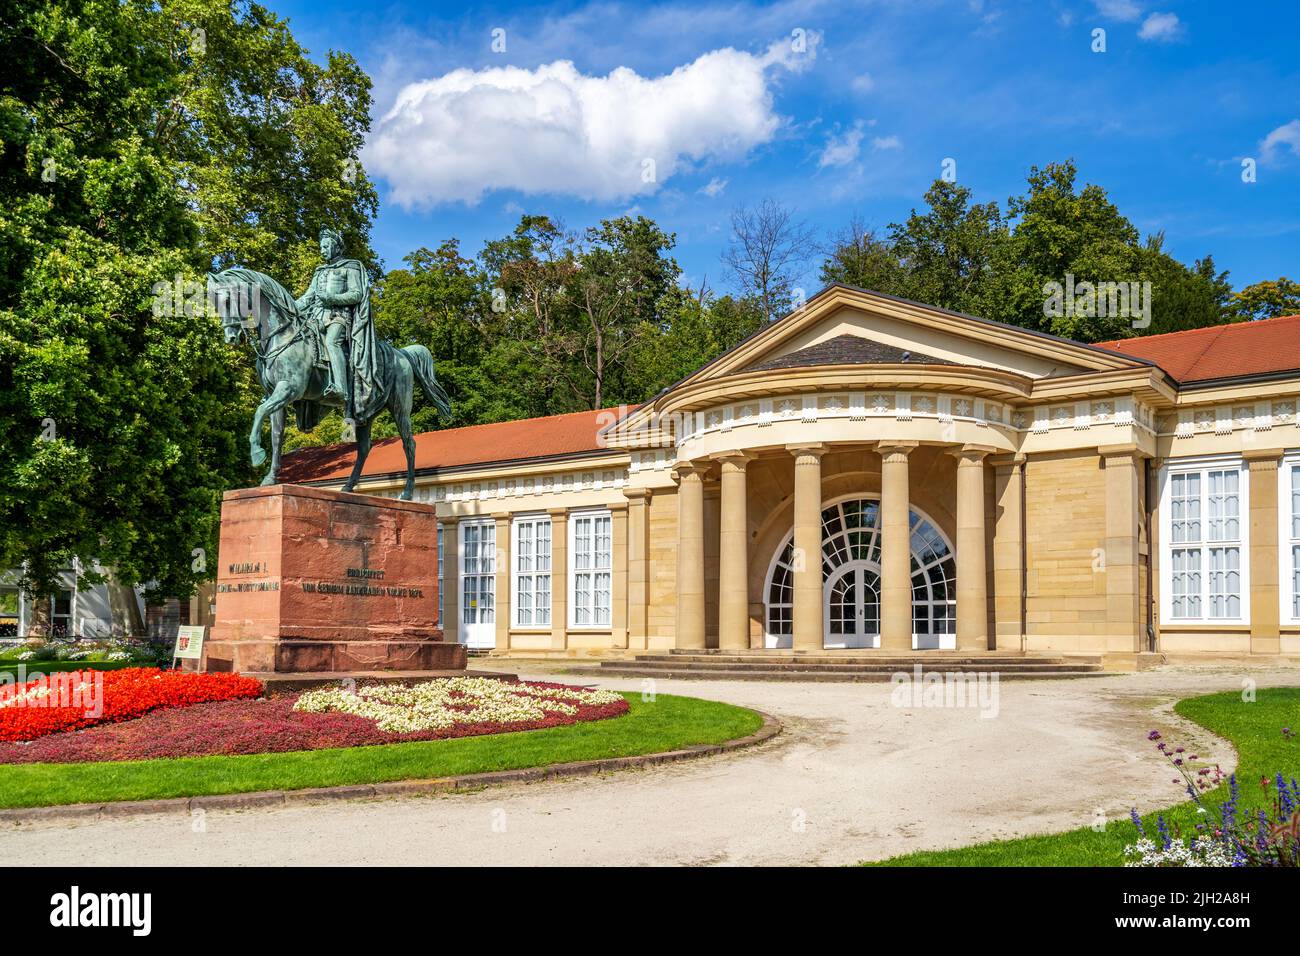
<point x="869" y="472"/>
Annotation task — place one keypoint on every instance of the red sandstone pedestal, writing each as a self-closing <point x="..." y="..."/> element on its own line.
<point x="316" y="580"/>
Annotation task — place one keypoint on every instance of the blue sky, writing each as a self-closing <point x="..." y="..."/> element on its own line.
<point x="682" y="111"/>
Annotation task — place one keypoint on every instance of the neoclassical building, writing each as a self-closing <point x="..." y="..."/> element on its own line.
<point x="869" y="472"/>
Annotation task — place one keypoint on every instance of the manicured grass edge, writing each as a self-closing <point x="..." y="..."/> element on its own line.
<point x="229" y="794"/>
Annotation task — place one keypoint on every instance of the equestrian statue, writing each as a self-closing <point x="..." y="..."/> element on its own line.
<point x="320" y="352"/>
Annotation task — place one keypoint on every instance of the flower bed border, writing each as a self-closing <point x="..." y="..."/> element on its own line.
<point x="396" y="788"/>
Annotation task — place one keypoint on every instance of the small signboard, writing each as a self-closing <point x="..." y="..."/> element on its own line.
<point x="189" y="643"/>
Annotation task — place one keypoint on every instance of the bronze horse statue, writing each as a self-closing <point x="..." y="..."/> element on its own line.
<point x="293" y="369"/>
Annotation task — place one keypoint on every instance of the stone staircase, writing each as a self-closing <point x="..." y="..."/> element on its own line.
<point x="846" y="665"/>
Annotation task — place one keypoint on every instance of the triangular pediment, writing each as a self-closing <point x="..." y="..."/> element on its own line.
<point x="843" y="326"/>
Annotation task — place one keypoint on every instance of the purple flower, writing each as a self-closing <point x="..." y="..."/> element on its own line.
<point x="1137" y="820"/>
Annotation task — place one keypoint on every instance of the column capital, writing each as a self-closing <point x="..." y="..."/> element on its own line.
<point x="1125" y="450"/>
<point x="971" y="454"/>
<point x="811" y="448"/>
<point x="558" y="512"/>
<point x="896" y="447"/>
<point x="1016" y="460"/>
<point x="685" y="469"/>
<point x="738" y="459"/>
<point x="449" y="520"/>
<point x="637" y="494"/>
<point x="1267" y="456"/>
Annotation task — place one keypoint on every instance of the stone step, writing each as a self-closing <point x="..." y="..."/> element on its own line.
<point x="861" y="660"/>
<point x="988" y="667"/>
<point x="622" y="669"/>
<point x="873" y="654"/>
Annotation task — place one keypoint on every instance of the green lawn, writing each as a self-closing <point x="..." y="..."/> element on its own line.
<point x="1255" y="729"/>
<point x="666" y="724"/>
<point x="36" y="668"/>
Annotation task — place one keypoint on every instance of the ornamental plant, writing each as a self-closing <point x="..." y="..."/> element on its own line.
<point x="73" y="701"/>
<point x="446" y="702"/>
<point x="1268" y="837"/>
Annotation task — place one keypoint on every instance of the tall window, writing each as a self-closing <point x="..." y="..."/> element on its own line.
<point x="532" y="571"/>
<point x="1206" y="543"/>
<point x="1290" y="508"/>
<point x="592" y="554"/>
<point x="440" y="574"/>
<point x="479" y="580"/>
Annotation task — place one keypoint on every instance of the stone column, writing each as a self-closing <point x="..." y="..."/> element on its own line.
<point x="450" y="578"/>
<point x="503" y="580"/>
<point x="1265" y="636"/>
<point x="638" y="566"/>
<point x="1125" y="619"/>
<point x="972" y="563"/>
<point x="690" y="556"/>
<point x="733" y="558"/>
<point x="808" y="600"/>
<point x="895" y="549"/>
<point x="559" y="578"/>
<point x="1009" y="553"/>
<point x="618" y="574"/>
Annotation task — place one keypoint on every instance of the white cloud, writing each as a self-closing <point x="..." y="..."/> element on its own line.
<point x="1126" y="10"/>
<point x="842" y="149"/>
<point x="1288" y="135"/>
<point x="863" y="83"/>
<point x="555" y="130"/>
<point x="886" y="142"/>
<point x="1160" y="26"/>
<point x="714" y="187"/>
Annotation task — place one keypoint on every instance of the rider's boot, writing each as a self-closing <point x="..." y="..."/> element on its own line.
<point x="338" y="372"/>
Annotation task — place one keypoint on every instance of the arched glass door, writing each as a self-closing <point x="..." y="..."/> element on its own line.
<point x="851" y="581"/>
<point x="853" y="606"/>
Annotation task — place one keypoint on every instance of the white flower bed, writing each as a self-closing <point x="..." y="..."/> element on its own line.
<point x="441" y="703"/>
<point x="1192" y="853"/>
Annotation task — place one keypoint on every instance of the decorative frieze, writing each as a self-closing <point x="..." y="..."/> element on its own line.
<point x="1259" y="416"/>
<point x="524" y="487"/>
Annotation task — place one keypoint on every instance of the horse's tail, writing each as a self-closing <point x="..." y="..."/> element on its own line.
<point x="422" y="365"/>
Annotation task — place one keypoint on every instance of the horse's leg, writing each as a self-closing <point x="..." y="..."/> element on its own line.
<point x="277" y="439"/>
<point x="401" y="412"/>
<point x="363" y="449"/>
<point x="278" y="398"/>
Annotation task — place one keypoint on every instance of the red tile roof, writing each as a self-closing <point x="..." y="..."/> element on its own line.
<point x="1220" y="351"/>
<point x="547" y="437"/>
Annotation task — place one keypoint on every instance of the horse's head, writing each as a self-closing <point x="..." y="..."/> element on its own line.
<point x="237" y="300"/>
<point x="248" y="301"/>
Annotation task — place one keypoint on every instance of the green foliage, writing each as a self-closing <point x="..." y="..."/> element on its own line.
<point x="546" y="321"/>
<point x="140" y="144"/>
<point x="976" y="259"/>
<point x="1267" y="300"/>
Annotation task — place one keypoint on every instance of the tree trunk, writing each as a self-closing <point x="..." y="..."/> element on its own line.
<point x="123" y="606"/>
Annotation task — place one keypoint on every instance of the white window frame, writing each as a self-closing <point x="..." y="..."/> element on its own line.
<point x="442" y="558"/>
<point x="485" y="565"/>
<point x="1286" y="540"/>
<point x="595" y="572"/>
<point x="1204" y="466"/>
<point x="518" y="574"/>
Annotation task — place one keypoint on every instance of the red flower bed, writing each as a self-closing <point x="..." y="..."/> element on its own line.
<point x="80" y="699"/>
<point x="251" y="727"/>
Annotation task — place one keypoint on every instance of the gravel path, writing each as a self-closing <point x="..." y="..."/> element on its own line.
<point x="852" y="777"/>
